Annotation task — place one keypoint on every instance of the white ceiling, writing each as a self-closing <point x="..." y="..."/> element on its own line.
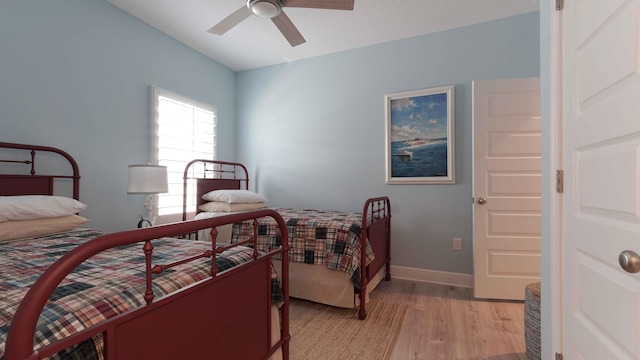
<point x="256" y="42"/>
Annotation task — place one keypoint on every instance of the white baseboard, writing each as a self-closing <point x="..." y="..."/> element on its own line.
<point x="432" y="276"/>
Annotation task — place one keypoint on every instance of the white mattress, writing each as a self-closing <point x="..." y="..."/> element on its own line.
<point x="224" y="231"/>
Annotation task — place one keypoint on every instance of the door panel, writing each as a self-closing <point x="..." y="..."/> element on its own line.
<point x="522" y="184"/>
<point x="510" y="145"/>
<point x="507" y="163"/>
<point x="512" y="223"/>
<point x="601" y="147"/>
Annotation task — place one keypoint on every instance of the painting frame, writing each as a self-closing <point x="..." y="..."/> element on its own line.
<point x="420" y="136"/>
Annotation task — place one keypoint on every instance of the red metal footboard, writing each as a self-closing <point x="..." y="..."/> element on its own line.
<point x="224" y="317"/>
<point x="376" y="227"/>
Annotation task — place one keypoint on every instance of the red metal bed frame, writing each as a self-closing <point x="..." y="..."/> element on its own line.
<point x="210" y="175"/>
<point x="33" y="183"/>
<point x="213" y="319"/>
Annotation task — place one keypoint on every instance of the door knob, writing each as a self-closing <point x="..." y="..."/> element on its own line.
<point x="482" y="201"/>
<point x="629" y="261"/>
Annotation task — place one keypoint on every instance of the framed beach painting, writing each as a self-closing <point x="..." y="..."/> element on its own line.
<point x="420" y="136"/>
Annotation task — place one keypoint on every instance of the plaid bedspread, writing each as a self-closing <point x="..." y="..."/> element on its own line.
<point x="107" y="284"/>
<point x="330" y="238"/>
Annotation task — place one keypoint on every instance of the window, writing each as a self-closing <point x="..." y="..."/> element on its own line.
<point x="182" y="130"/>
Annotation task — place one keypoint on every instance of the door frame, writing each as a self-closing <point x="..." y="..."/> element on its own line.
<point x="551" y="245"/>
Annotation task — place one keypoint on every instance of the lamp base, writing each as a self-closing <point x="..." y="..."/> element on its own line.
<point x="149" y="205"/>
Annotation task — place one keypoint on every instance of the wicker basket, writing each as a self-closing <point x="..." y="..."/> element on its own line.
<point x="532" y="320"/>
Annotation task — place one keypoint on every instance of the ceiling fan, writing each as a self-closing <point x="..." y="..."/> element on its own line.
<point x="272" y="9"/>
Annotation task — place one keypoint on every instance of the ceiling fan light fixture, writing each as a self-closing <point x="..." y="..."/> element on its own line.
<point x="265" y="8"/>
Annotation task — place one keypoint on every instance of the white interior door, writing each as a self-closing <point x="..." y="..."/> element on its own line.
<point x="506" y="187"/>
<point x="601" y="147"/>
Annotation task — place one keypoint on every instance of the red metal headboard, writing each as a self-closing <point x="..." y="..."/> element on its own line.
<point x="34" y="183"/>
<point x="210" y="175"/>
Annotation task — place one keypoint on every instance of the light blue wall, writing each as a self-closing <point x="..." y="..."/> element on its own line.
<point x="312" y="132"/>
<point x="75" y="74"/>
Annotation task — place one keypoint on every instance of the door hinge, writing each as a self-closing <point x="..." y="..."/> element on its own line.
<point x="559" y="356"/>
<point x="560" y="181"/>
<point x="559" y="5"/>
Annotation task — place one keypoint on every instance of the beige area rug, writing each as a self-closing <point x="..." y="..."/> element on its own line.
<point x="321" y="332"/>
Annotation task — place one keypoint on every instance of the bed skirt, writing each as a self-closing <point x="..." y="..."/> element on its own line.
<point x="319" y="284"/>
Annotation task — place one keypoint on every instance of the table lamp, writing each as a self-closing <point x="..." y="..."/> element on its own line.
<point x="147" y="179"/>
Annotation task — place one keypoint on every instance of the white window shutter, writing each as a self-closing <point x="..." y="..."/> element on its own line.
<point x="182" y="130"/>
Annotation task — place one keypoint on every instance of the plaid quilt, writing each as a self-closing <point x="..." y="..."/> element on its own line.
<point x="330" y="238"/>
<point x="107" y="284"/>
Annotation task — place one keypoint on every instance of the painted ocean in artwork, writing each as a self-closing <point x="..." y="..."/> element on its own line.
<point x="427" y="158"/>
<point x="419" y="136"/>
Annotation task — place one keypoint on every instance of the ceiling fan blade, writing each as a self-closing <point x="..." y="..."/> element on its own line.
<point x="287" y="29"/>
<point x="230" y="21"/>
<point x="320" y="4"/>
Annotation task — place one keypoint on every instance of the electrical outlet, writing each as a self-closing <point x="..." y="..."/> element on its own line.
<point x="457" y="244"/>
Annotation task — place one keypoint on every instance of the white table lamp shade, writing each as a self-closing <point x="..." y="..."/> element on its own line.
<point x="147" y="179"/>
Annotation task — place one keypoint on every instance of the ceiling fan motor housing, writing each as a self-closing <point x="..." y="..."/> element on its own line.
<point x="265" y="8"/>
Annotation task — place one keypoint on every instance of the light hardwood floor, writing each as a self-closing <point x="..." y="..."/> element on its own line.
<point x="446" y="322"/>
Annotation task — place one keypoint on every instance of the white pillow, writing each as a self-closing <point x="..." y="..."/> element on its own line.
<point x="217" y="206"/>
<point x="234" y="196"/>
<point x="28" y="207"/>
<point x="19" y="229"/>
